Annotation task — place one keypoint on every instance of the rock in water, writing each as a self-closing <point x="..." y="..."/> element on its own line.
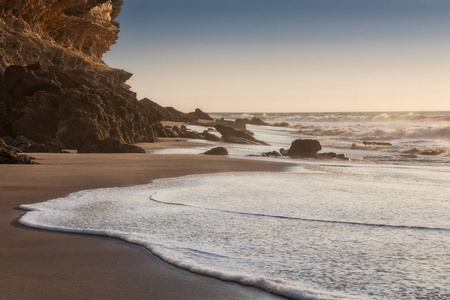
<point x="257" y="121"/>
<point x="271" y="154"/>
<point x="333" y="155"/>
<point x="231" y="135"/>
<point x="304" y="148"/>
<point x="217" y="151"/>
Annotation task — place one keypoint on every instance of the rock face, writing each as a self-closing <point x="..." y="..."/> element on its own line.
<point x="304" y="148"/>
<point x="27" y="145"/>
<point x="109" y="145"/>
<point x="217" y="151"/>
<point x="54" y="86"/>
<point x="231" y="135"/>
<point x="10" y="155"/>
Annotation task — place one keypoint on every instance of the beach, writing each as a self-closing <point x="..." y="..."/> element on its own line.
<point x="39" y="264"/>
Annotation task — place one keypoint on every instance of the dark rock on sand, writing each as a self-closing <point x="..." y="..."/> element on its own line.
<point x="108" y="145"/>
<point x="10" y="155"/>
<point x="304" y="148"/>
<point x="217" y="151"/>
<point x="231" y="135"/>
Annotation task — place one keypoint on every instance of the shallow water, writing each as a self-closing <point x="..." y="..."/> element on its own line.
<point x="323" y="231"/>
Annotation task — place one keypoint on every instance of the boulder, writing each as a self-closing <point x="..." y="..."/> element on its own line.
<point x="217" y="151"/>
<point x="231" y="135"/>
<point x="304" y="148"/>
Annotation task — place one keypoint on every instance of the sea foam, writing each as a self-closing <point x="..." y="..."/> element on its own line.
<point x="323" y="233"/>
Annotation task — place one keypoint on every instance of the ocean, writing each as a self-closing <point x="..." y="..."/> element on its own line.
<point x="374" y="227"/>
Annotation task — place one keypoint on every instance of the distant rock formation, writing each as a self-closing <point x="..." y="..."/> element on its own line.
<point x="257" y="121"/>
<point x="231" y="135"/>
<point x="217" y="151"/>
<point x="199" y="114"/>
<point x="54" y="86"/>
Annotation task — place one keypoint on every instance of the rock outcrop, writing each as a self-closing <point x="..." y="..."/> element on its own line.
<point x="159" y="112"/>
<point x="27" y="145"/>
<point x="217" y="151"/>
<point x="54" y="86"/>
<point x="231" y="135"/>
<point x="11" y="155"/>
<point x="304" y="148"/>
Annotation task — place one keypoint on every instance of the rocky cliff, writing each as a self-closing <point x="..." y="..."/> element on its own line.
<point x="54" y="85"/>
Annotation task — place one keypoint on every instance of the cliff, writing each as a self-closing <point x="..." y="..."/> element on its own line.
<point x="54" y="86"/>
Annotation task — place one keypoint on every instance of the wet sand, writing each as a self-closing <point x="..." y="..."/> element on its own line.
<point x="38" y="264"/>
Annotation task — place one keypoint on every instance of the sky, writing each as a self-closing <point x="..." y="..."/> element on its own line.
<point x="287" y="55"/>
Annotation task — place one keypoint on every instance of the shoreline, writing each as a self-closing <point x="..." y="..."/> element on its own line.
<point x="36" y="264"/>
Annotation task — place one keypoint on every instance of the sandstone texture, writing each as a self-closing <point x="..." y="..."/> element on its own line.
<point x="54" y="86"/>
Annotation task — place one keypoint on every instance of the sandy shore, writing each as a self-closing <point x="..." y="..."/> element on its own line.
<point x="38" y="264"/>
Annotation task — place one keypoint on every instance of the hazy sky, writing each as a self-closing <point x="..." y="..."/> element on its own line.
<point x="287" y="55"/>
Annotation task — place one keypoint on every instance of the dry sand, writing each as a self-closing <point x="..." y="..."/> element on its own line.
<point x="38" y="264"/>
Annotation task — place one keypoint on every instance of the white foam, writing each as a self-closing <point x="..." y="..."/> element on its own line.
<point x="301" y="235"/>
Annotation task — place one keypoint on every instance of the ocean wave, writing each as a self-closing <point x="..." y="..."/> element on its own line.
<point x="334" y="117"/>
<point x="379" y="133"/>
